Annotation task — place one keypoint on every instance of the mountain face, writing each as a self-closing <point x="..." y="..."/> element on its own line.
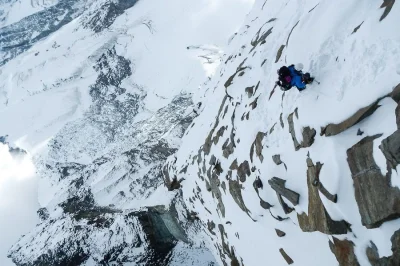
<point x="159" y="137"/>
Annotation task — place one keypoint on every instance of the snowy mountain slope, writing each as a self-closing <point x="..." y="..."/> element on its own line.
<point x="317" y="165"/>
<point x="14" y="10"/>
<point x="90" y="90"/>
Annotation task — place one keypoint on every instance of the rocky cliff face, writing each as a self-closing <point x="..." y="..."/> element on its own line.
<point x="273" y="166"/>
<point x="138" y="167"/>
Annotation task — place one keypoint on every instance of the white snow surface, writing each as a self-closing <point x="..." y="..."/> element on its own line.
<point x="181" y="47"/>
<point x="354" y="70"/>
<point x="44" y="95"/>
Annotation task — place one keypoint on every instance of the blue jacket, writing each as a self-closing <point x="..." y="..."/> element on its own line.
<point x="296" y="78"/>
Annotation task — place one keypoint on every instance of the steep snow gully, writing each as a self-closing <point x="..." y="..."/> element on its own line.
<point x="148" y="133"/>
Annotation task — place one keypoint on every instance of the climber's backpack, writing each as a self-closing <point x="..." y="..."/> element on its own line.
<point x="284" y="76"/>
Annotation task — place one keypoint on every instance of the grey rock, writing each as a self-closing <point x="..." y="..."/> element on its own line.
<point x="211" y="227"/>
<point x="18" y="37"/>
<point x="218" y="135"/>
<point x="308" y="137"/>
<point x="397" y="111"/>
<point x="213" y="160"/>
<point x="361" y="114"/>
<point x="257" y="184"/>
<point x="107" y="13"/>
<point x="43" y="214"/>
<point x="227" y="148"/>
<point x="395" y="94"/>
<point x="223" y="185"/>
<point x="278" y="185"/>
<point x="253" y="104"/>
<point x="250" y="91"/>
<point x="234" y="165"/>
<point x="377" y="201"/>
<point x="318" y="219"/>
<point x="280" y="233"/>
<point x="277" y="159"/>
<point x="283" y="204"/>
<point x="171" y="183"/>
<point x="257" y="39"/>
<point x="235" y="188"/>
<point x="272" y="129"/>
<point x="317" y="183"/>
<point x="208" y="141"/>
<point x="265" y="205"/>
<point x="308" y="134"/>
<point x="243" y="171"/>
<point x="344" y="252"/>
<point x="357" y="28"/>
<point x="387" y="4"/>
<point x="286" y="256"/>
<point x="83" y="221"/>
<point x="391" y="149"/>
<point x="279" y="53"/>
<point x="394" y="260"/>
<point x="257" y="146"/>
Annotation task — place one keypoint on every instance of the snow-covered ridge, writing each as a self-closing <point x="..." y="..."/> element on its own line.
<point x="85" y="90"/>
<point x="147" y="154"/>
<point x="300" y="178"/>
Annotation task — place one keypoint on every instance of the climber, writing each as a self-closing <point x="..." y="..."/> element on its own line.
<point x="293" y="76"/>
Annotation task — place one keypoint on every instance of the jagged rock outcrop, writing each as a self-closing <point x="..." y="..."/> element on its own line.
<point x="280" y="233"/>
<point x="257" y="146"/>
<point x="344" y="252"/>
<point x="22" y="35"/>
<point x="277" y="159"/>
<point x="318" y="219"/>
<point x="243" y="170"/>
<point x="391" y="149"/>
<point x="102" y="234"/>
<point x="43" y="214"/>
<point x="397" y="111"/>
<point x="395" y="94"/>
<point x="394" y="260"/>
<point x="235" y="188"/>
<point x="387" y="4"/>
<point x="278" y="185"/>
<point x="171" y="183"/>
<point x="334" y="129"/>
<point x="286" y="256"/>
<point x="307" y="132"/>
<point x="377" y="201"/>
